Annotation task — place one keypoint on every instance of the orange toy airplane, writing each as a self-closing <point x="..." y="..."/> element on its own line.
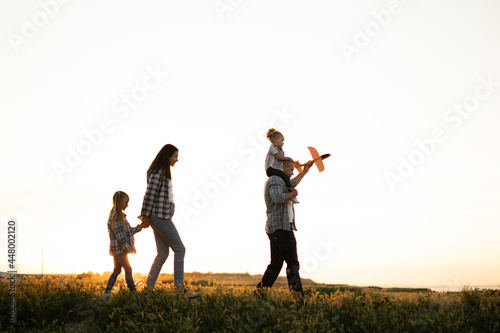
<point x="317" y="159"/>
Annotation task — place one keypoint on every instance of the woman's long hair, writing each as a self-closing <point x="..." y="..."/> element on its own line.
<point x="161" y="163"/>
<point x="118" y="205"/>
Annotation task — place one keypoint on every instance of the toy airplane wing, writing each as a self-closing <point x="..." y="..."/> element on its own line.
<point x="317" y="159"/>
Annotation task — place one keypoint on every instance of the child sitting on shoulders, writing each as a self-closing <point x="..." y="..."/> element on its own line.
<point x="275" y="157"/>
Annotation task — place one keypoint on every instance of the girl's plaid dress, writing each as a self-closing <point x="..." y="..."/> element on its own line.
<point x="121" y="239"/>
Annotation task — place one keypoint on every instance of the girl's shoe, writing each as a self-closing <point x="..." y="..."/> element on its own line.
<point x="295" y="201"/>
<point x="190" y="294"/>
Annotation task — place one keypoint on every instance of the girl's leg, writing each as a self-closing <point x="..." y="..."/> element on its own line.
<point x="123" y="260"/>
<point x="112" y="279"/>
<point x="269" y="171"/>
<point x="168" y="233"/>
<point x="275" y="172"/>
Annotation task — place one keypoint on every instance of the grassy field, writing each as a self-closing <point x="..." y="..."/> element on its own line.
<point x="73" y="304"/>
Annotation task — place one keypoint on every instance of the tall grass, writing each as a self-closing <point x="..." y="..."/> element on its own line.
<point x="74" y="305"/>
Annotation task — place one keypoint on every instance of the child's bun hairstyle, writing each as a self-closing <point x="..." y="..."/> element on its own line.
<point x="272" y="134"/>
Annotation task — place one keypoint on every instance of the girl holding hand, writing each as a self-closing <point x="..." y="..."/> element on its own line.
<point x="121" y="236"/>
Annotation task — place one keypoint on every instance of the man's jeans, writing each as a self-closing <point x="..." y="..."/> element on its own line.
<point x="283" y="248"/>
<point x="166" y="237"/>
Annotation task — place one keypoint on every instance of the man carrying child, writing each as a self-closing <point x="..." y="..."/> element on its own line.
<point x="279" y="229"/>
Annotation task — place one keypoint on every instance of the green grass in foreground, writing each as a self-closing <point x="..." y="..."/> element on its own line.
<point x="73" y="305"/>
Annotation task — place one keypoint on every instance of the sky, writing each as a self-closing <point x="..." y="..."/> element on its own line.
<point x="404" y="95"/>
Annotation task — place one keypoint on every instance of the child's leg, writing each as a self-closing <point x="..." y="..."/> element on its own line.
<point x="114" y="275"/>
<point x="123" y="260"/>
<point x="275" y="172"/>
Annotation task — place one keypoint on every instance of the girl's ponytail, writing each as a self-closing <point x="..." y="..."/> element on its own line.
<point x="118" y="206"/>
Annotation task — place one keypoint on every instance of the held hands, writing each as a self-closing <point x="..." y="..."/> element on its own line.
<point x="145" y="221"/>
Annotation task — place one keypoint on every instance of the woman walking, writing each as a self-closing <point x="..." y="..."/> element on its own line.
<point x="157" y="210"/>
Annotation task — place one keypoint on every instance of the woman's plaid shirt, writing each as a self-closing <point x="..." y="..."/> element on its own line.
<point x="277" y="211"/>
<point x="156" y="198"/>
<point x="121" y="240"/>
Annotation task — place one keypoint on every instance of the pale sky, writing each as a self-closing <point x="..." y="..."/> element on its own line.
<point x="403" y="94"/>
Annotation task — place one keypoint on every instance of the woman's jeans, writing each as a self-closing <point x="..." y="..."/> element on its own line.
<point x="120" y="261"/>
<point x="166" y="237"/>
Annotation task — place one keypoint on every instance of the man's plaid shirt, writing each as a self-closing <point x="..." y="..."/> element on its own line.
<point x="121" y="240"/>
<point x="277" y="212"/>
<point x="156" y="198"/>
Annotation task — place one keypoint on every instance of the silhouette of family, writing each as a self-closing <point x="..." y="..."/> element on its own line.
<point x="158" y="209"/>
